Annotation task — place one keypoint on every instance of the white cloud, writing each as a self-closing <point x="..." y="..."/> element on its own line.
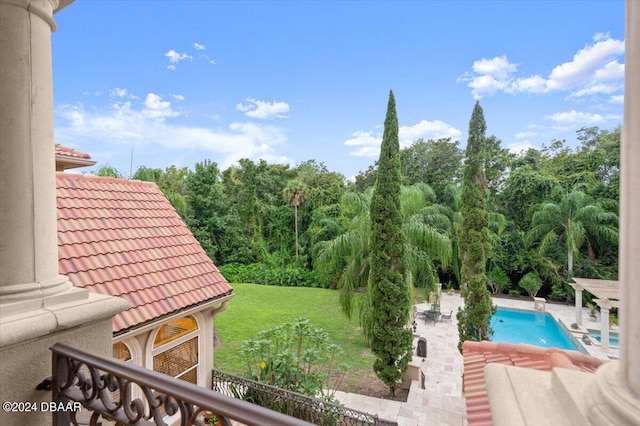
<point x="525" y="135"/>
<point x="533" y="84"/>
<point x="576" y="117"/>
<point x="198" y="46"/>
<point x="156" y="107"/>
<point x="520" y="147"/>
<point x="208" y="59"/>
<point x="175" y="58"/>
<point x="595" y="89"/>
<point x="585" y="64"/>
<point x="595" y="69"/>
<point x="427" y="130"/>
<point x="486" y="85"/>
<point x="119" y="93"/>
<point x="617" y="99"/>
<point x="367" y="144"/>
<point x="178" y="97"/>
<point x="612" y="71"/>
<point x="263" y="110"/>
<point x="498" y="67"/>
<point x="154" y="122"/>
<point x="600" y="36"/>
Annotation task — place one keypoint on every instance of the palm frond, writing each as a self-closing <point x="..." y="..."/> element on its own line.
<point x="548" y="241"/>
<point x="430" y="240"/>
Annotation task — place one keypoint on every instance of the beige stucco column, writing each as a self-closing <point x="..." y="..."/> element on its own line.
<point x="578" y="298"/>
<point x="28" y="246"/>
<point x="614" y="396"/>
<point x="630" y="206"/>
<point x="38" y="306"/>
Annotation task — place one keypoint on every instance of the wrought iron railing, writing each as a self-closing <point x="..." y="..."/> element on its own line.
<point x="104" y="387"/>
<point x="314" y="410"/>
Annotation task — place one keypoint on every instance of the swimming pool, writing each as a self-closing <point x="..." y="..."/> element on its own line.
<point x="534" y="328"/>
<point x="613" y="337"/>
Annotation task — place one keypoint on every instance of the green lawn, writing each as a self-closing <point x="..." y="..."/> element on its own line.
<point x="257" y="307"/>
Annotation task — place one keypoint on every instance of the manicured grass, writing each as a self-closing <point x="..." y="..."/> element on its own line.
<point x="257" y="307"/>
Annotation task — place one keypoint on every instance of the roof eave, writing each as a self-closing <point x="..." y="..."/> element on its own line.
<point x="66" y="162"/>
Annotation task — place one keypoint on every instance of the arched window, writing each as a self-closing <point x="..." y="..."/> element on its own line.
<point x="122" y="352"/>
<point x="175" y="349"/>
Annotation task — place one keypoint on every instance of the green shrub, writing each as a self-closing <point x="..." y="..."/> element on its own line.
<point x="497" y="280"/>
<point x="259" y="273"/>
<point x="294" y="356"/>
<point x="531" y="283"/>
<point x="515" y="293"/>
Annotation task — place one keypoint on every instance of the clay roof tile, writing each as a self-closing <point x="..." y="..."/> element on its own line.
<point x="123" y="238"/>
<point x="478" y="354"/>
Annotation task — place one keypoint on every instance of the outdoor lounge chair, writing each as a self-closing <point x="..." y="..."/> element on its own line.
<point x="446" y="316"/>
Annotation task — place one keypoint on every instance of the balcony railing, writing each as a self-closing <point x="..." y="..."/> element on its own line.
<point x="104" y="387"/>
<point x="314" y="410"/>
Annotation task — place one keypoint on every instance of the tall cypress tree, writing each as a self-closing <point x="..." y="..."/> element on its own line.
<point x="389" y="291"/>
<point x="474" y="320"/>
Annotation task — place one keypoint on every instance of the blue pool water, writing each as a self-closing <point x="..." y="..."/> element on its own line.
<point x="534" y="328"/>
<point x="613" y="337"/>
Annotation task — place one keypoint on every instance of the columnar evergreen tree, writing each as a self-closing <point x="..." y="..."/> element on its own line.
<point x="389" y="292"/>
<point x="474" y="319"/>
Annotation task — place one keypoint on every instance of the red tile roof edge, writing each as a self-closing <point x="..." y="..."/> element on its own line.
<point x="170" y="314"/>
<point x="477" y="354"/>
<point x="70" y="152"/>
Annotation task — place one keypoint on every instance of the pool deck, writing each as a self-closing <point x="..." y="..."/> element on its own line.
<point x="441" y="402"/>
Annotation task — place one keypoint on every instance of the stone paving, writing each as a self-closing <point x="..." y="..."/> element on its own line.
<point x="441" y="402"/>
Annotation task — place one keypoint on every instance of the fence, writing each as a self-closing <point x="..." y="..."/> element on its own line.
<point x="313" y="410"/>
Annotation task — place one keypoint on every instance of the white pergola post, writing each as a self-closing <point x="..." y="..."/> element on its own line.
<point x="605" y="307"/>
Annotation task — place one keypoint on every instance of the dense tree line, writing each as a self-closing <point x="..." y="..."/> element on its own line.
<point x="551" y="212"/>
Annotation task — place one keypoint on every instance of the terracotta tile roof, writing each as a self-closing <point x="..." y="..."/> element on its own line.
<point x="69" y="158"/>
<point x="123" y="238"/>
<point x="70" y="152"/>
<point x="478" y="354"/>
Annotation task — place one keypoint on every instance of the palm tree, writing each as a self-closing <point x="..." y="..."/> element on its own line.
<point x="572" y="222"/>
<point x="295" y="193"/>
<point x="425" y="229"/>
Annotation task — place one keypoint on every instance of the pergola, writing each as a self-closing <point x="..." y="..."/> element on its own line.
<point x="607" y="295"/>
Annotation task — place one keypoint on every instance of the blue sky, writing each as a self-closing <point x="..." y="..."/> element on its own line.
<point x="178" y="82"/>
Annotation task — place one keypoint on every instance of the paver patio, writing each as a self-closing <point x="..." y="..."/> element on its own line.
<point x="442" y="402"/>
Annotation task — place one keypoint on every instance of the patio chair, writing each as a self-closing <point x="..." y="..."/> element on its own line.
<point x="446" y="316"/>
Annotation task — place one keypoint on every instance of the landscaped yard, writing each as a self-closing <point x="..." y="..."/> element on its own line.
<point x="257" y="307"/>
